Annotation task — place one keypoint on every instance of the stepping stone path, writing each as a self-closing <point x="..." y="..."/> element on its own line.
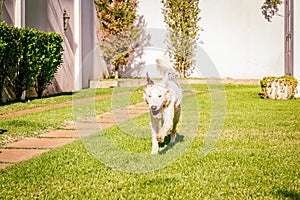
<point x="25" y="149"/>
<point x="30" y="147"/>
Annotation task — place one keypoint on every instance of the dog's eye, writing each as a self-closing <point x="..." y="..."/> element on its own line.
<point x="159" y="96"/>
<point x="149" y="96"/>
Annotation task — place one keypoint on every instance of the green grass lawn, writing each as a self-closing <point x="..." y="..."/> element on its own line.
<point x="31" y="103"/>
<point x="256" y="155"/>
<point x="32" y="125"/>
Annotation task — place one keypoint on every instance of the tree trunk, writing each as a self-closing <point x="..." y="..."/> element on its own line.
<point x="182" y="71"/>
<point x="182" y="74"/>
<point x="116" y="74"/>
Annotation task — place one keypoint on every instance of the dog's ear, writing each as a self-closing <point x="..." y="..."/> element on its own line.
<point x="149" y="80"/>
<point x="145" y="96"/>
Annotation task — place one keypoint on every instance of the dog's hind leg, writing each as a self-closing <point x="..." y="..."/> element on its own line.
<point x="154" y="126"/>
<point x="173" y="134"/>
<point x="175" y="122"/>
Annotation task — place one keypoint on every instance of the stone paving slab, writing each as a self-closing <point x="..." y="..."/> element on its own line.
<point x="113" y="118"/>
<point x="18" y="155"/>
<point x="133" y="115"/>
<point x="70" y="125"/>
<point x="42" y="143"/>
<point x="106" y="118"/>
<point x="127" y="111"/>
<point x="139" y="106"/>
<point x="61" y="134"/>
<point x="138" y="111"/>
<point x="87" y="132"/>
<point x="105" y="125"/>
<point x="87" y="126"/>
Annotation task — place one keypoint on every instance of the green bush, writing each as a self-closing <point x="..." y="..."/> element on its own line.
<point x="51" y="47"/>
<point x="27" y="68"/>
<point x="28" y="58"/>
<point x="283" y="87"/>
<point x="10" y="50"/>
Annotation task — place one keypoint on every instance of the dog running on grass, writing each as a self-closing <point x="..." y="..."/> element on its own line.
<point x="164" y="101"/>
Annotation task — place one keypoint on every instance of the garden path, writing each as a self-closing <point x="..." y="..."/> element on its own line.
<point x="30" y="147"/>
<point x="43" y="108"/>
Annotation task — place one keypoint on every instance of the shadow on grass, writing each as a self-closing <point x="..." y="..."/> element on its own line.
<point x="179" y="138"/>
<point x="288" y="194"/>
<point x="34" y="98"/>
<point x="2" y="131"/>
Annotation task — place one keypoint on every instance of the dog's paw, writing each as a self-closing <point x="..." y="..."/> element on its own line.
<point x="173" y="138"/>
<point x="160" y="138"/>
<point x="153" y="152"/>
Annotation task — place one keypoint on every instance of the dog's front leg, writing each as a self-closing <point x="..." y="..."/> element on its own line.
<point x="154" y="126"/>
<point x="175" y="122"/>
<point x="168" y="116"/>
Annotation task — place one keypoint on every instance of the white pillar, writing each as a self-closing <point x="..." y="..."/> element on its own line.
<point x="20" y="13"/>
<point x="289" y="37"/>
<point x="78" y="53"/>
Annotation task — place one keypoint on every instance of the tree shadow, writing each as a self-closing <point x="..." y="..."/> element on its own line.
<point x="179" y="138"/>
<point x="288" y="194"/>
<point x="34" y="98"/>
<point x="2" y="131"/>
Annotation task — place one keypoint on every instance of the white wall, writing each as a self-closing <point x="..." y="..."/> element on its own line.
<point x="237" y="38"/>
<point x="297" y="41"/>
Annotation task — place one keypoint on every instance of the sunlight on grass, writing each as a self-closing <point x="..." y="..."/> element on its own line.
<point x="256" y="157"/>
<point x="31" y="125"/>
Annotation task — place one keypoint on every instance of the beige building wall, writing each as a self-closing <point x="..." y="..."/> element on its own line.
<point x="79" y="38"/>
<point x="48" y="16"/>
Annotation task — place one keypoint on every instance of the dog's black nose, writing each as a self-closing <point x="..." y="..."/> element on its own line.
<point x="153" y="107"/>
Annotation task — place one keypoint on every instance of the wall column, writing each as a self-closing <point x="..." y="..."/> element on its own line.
<point x="289" y="38"/>
<point x="78" y="53"/>
<point x="20" y="13"/>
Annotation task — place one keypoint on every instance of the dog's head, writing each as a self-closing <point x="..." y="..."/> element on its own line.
<point x="157" y="96"/>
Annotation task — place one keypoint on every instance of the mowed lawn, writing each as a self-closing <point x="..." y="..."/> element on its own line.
<point x="256" y="155"/>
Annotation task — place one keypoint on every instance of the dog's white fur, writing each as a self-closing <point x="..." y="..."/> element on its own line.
<point x="164" y="100"/>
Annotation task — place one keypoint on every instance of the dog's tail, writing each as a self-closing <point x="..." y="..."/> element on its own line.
<point x="165" y="68"/>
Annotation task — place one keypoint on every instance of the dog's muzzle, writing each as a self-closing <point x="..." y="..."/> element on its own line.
<point x="155" y="112"/>
<point x="153" y="107"/>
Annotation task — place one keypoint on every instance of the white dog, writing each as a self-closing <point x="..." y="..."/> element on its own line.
<point x="164" y="100"/>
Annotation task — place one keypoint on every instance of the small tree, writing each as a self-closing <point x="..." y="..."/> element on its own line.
<point x="270" y="8"/>
<point x="135" y="63"/>
<point x="182" y="17"/>
<point x="119" y="32"/>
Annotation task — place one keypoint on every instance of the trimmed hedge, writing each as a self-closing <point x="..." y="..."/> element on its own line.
<point x="283" y="87"/>
<point x="28" y="58"/>
<point x="51" y="51"/>
<point x="10" y="51"/>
